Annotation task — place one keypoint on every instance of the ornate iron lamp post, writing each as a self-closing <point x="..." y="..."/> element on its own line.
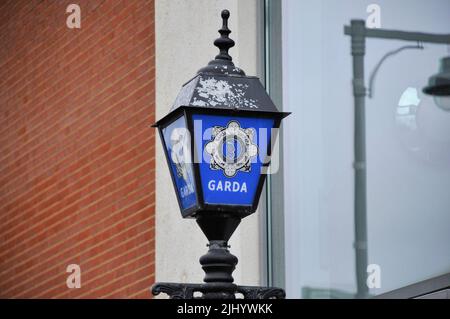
<point x="217" y="140"/>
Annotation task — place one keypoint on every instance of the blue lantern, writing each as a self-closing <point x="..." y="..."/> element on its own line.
<point x="217" y="137"/>
<point x="217" y="140"/>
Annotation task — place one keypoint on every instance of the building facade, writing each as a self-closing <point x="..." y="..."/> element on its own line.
<point x="77" y="153"/>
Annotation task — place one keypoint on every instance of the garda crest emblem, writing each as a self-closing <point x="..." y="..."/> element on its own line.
<point x="231" y="148"/>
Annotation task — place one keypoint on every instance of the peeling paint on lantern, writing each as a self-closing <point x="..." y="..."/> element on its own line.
<point x="185" y="95"/>
<point x="199" y="102"/>
<point x="220" y="92"/>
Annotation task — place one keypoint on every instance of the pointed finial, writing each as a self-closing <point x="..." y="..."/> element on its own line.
<point x="224" y="43"/>
<point x="223" y="64"/>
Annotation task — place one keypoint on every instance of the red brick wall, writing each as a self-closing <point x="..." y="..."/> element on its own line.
<point x="77" y="153"/>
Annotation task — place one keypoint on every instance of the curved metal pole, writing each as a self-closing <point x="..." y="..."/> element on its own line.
<point x="384" y="58"/>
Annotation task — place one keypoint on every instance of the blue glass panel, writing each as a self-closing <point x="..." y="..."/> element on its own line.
<point x="231" y="151"/>
<point x="177" y="141"/>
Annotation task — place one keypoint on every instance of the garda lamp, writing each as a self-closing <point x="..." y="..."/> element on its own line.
<point x="217" y="141"/>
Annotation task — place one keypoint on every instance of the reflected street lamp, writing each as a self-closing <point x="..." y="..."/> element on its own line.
<point x="439" y="87"/>
<point x="217" y="140"/>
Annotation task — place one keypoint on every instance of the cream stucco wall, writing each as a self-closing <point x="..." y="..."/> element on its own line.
<point x="185" y="31"/>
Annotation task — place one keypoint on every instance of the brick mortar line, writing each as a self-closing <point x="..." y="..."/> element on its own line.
<point x="25" y="13"/>
<point x="74" y="84"/>
<point x="58" y="213"/>
<point x="74" y="58"/>
<point x="150" y="218"/>
<point x="102" y="19"/>
<point x="47" y="280"/>
<point x="87" y="208"/>
<point x="62" y="77"/>
<point x="129" y="178"/>
<point x="17" y="213"/>
<point x="98" y="104"/>
<point x="81" y="191"/>
<point x="6" y="13"/>
<point x="108" y="218"/>
<point x="62" y="159"/>
<point x="92" y="120"/>
<point x="55" y="268"/>
<point x="129" y="262"/>
<point x="93" y="279"/>
<point x="65" y="293"/>
<point x="116" y="280"/>
<point x="50" y="8"/>
<point x="128" y="286"/>
<point x="137" y="258"/>
<point x="104" y="252"/>
<point x="36" y="52"/>
<point x="40" y="221"/>
<point x="71" y="173"/>
<point x="80" y="129"/>
<point x="24" y="210"/>
<point x="61" y="33"/>
<point x="6" y="4"/>
<point x="65" y="77"/>
<point x="133" y="296"/>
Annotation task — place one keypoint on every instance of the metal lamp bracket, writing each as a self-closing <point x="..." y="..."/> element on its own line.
<point x="370" y="90"/>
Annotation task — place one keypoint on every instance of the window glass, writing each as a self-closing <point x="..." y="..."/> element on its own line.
<point x="408" y="149"/>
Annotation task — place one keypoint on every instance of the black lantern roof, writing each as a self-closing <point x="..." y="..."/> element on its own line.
<point x="223" y="86"/>
<point x="224" y="91"/>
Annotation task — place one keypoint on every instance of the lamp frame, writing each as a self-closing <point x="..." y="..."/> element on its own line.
<point x="218" y="221"/>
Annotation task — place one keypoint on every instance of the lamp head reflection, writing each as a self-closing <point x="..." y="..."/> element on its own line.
<point x="439" y="85"/>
